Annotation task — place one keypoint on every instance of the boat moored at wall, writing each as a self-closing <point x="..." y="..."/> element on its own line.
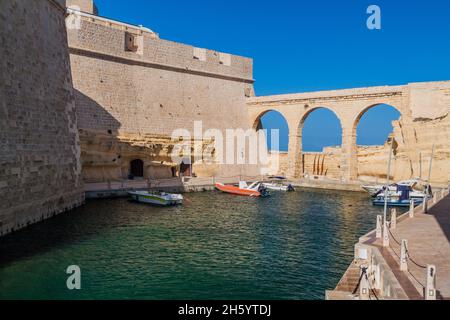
<point x="401" y="198"/>
<point x="157" y="198"/>
<point x="256" y="189"/>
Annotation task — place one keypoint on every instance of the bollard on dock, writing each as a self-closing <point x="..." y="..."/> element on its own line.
<point x="411" y="209"/>
<point x="403" y="256"/>
<point x="364" y="293"/>
<point x="425" y="205"/>
<point x="379" y="227"/>
<point x="393" y="219"/>
<point x="430" y="290"/>
<point x="385" y="235"/>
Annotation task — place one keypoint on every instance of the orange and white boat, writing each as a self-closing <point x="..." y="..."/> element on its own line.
<point x="254" y="190"/>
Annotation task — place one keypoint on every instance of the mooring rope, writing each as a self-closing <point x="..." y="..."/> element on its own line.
<point x="414" y="277"/>
<point x="359" y="281"/>
<point x="412" y="260"/>
<point x="407" y="253"/>
<point x="409" y="258"/>
<point x="392" y="236"/>
<point x="395" y="240"/>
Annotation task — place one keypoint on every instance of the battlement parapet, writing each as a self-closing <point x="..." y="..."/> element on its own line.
<point x="115" y="40"/>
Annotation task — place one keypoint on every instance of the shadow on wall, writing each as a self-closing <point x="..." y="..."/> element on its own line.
<point x="106" y="156"/>
<point x="92" y="116"/>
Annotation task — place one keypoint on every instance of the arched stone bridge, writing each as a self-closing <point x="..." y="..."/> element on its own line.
<point x="349" y="105"/>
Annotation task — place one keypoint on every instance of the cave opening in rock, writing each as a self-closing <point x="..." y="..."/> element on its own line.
<point x="137" y="168"/>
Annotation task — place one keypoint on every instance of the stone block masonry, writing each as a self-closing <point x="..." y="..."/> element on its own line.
<point x="134" y="89"/>
<point x="40" y="168"/>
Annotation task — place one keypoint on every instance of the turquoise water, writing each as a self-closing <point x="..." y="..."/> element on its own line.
<point x="216" y="246"/>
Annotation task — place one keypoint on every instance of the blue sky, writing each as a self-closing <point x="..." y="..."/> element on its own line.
<point x="300" y="46"/>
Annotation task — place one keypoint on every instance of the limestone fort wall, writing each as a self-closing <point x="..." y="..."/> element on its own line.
<point x="40" y="169"/>
<point x="129" y="101"/>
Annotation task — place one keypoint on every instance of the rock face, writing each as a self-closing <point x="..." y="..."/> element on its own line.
<point x="372" y="161"/>
<point x="412" y="160"/>
<point x="108" y="157"/>
<point x="40" y="169"/>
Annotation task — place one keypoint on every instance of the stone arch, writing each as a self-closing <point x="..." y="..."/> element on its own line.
<point x="362" y="112"/>
<point x="258" y="118"/>
<point x="353" y="163"/>
<point x="258" y="126"/>
<point x="319" y="168"/>
<point x="308" y="113"/>
<point x="311" y="110"/>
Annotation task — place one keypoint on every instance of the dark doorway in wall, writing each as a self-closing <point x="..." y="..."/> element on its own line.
<point x="174" y="171"/>
<point x="137" y="168"/>
<point x="185" y="170"/>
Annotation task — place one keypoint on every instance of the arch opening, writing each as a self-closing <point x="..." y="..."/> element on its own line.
<point x="375" y="124"/>
<point x="274" y="120"/>
<point x="374" y="129"/>
<point x="321" y="140"/>
<point x="320" y="128"/>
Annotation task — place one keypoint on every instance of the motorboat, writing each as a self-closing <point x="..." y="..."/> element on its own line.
<point x="400" y="198"/>
<point x="256" y="189"/>
<point x="157" y="198"/>
<point x="395" y="202"/>
<point x="374" y="190"/>
<point x="414" y="194"/>
<point x="278" y="186"/>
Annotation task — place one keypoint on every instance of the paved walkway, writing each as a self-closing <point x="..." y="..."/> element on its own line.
<point x="143" y="184"/>
<point x="428" y="238"/>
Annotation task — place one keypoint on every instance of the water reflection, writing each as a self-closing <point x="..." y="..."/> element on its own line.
<point x="217" y="246"/>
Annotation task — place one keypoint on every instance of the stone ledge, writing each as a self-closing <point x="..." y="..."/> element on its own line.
<point x="145" y="63"/>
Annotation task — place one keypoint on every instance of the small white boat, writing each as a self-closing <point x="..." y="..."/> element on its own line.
<point x="375" y="189"/>
<point x="278" y="186"/>
<point x="401" y="198"/>
<point x="157" y="198"/>
<point x="413" y="194"/>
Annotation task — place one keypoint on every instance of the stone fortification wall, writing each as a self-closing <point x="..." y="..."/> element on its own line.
<point x="40" y="169"/>
<point x="130" y="83"/>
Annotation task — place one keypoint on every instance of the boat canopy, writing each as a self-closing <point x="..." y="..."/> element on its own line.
<point x="404" y="191"/>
